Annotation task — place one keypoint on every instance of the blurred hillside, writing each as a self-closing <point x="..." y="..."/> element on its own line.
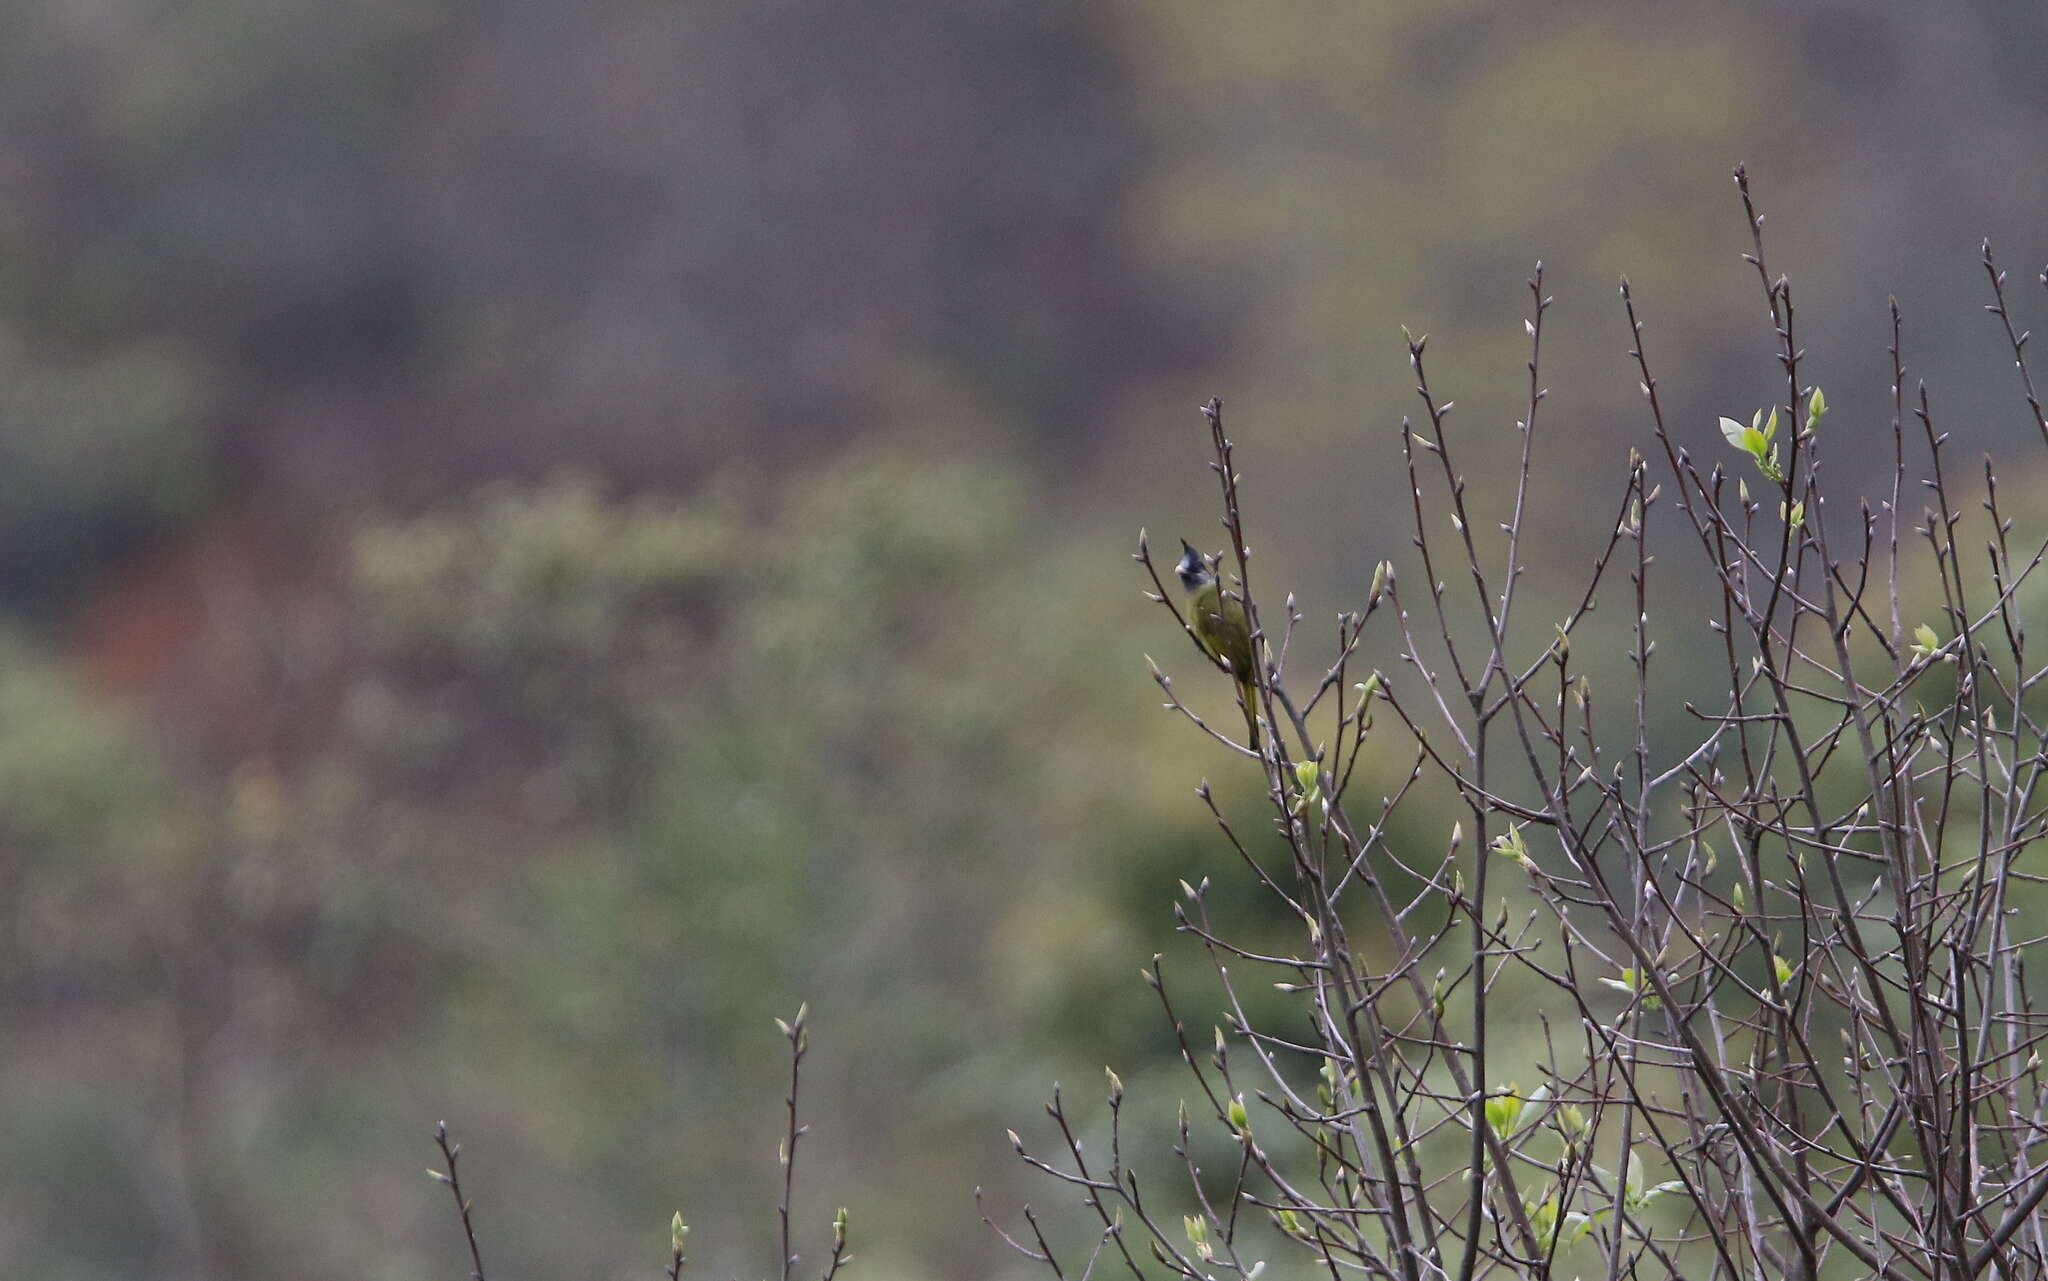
<point x="534" y="539"/>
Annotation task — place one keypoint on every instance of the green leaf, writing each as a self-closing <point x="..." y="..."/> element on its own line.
<point x="1504" y="1111"/>
<point x="1511" y="845"/>
<point x="1572" y="1120"/>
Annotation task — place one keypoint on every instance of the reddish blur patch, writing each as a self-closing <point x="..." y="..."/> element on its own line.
<point x="231" y="636"/>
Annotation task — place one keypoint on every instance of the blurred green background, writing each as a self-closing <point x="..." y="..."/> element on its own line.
<point x="534" y="538"/>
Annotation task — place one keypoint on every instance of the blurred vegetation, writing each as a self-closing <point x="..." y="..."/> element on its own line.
<point x="95" y="456"/>
<point x="537" y="540"/>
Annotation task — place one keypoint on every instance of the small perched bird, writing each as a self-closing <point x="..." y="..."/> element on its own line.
<point x="1221" y="629"/>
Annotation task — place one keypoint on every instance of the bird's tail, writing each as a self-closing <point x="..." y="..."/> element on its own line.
<point x="1250" y="692"/>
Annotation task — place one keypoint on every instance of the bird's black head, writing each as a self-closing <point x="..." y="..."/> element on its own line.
<point x="1193" y="570"/>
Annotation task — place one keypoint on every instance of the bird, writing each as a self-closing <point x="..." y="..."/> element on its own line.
<point x="1221" y="629"/>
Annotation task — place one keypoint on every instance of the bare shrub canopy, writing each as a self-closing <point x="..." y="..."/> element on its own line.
<point x="1785" y="962"/>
